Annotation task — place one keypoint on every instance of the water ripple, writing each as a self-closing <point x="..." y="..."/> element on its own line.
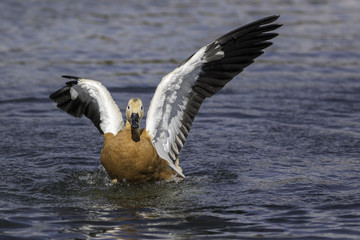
<point x="274" y="155"/>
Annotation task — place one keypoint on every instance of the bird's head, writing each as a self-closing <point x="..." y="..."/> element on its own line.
<point x="134" y="112"/>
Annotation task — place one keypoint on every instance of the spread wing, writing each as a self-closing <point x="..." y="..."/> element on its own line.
<point x="90" y="98"/>
<point x="180" y="94"/>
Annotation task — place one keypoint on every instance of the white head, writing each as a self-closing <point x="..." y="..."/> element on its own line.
<point x="134" y="112"/>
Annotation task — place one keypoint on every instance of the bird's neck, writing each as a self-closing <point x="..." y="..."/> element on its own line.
<point x="135" y="132"/>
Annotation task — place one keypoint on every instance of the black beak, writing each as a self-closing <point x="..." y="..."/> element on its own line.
<point x="134" y="120"/>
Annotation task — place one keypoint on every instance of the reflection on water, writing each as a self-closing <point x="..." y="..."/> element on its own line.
<point x="274" y="155"/>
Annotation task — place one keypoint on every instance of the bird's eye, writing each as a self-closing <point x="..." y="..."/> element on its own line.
<point x="128" y="107"/>
<point x="142" y="108"/>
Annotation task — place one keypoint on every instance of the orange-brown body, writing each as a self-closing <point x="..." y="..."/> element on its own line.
<point x="125" y="159"/>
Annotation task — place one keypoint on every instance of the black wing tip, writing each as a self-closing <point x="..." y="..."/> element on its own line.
<point x="52" y="96"/>
<point x="263" y="25"/>
<point x="263" y="21"/>
<point x="55" y="95"/>
<point x="268" y="23"/>
<point x="267" y="20"/>
<point x="71" y="77"/>
<point x="273" y="27"/>
<point x="273" y="18"/>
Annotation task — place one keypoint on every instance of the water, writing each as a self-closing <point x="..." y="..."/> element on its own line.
<point x="274" y="155"/>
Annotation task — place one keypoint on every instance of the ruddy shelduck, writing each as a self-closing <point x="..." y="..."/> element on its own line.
<point x="137" y="155"/>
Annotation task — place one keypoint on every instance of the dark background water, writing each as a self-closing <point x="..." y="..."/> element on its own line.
<point x="275" y="154"/>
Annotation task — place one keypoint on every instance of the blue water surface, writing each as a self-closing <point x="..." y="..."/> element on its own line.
<point x="273" y="155"/>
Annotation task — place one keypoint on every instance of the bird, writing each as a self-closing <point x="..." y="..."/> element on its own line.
<point x="137" y="155"/>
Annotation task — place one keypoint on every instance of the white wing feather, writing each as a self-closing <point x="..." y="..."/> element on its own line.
<point x="111" y="120"/>
<point x="170" y="99"/>
<point x="90" y="98"/>
<point x="180" y="94"/>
